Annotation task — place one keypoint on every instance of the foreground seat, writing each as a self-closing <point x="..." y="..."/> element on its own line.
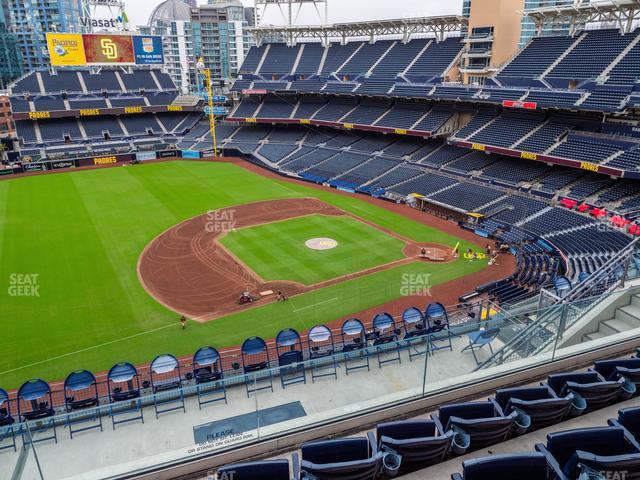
<point x="271" y="470"/>
<point x="629" y="418"/>
<point x="582" y="451"/>
<point x="541" y="404"/>
<point x="346" y="458"/>
<point x="483" y="422"/>
<point x="590" y="386"/>
<point x="627" y="368"/>
<point x="420" y="443"/>
<point x="522" y="466"/>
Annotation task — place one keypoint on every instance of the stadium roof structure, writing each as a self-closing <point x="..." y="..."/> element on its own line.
<point x="406" y="27"/>
<point x="624" y="13"/>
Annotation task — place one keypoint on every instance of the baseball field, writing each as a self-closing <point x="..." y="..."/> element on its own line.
<point x="70" y="245"/>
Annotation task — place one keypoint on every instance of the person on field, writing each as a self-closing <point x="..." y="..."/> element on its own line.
<point x="281" y="297"/>
<point x="183" y="322"/>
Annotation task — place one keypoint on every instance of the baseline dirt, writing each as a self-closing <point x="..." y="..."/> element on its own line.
<point x="188" y="270"/>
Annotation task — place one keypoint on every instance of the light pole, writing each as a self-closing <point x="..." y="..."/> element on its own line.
<point x="212" y="119"/>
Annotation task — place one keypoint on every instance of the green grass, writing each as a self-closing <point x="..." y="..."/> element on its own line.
<point x="286" y="257"/>
<point x="82" y="234"/>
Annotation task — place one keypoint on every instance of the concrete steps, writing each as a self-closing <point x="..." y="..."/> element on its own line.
<point x="625" y="318"/>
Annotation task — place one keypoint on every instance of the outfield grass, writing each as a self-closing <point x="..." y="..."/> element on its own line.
<point x="277" y="251"/>
<point x="81" y="233"/>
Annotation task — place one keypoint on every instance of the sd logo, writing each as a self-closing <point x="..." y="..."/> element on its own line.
<point x="109" y="49"/>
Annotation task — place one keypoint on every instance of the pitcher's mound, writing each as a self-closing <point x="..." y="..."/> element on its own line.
<point x="321" y="243"/>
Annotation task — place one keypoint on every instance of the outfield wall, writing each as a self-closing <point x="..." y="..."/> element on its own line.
<point x="97" y="161"/>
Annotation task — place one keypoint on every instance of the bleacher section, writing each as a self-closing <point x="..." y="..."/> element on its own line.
<point x="72" y="108"/>
<point x="394" y="167"/>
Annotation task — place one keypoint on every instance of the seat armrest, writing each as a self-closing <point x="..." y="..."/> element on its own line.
<point x="373" y="444"/>
<point x="553" y="464"/>
<point x="295" y="466"/>
<point x="497" y="406"/>
<point x="630" y="438"/>
<point x="438" y="423"/>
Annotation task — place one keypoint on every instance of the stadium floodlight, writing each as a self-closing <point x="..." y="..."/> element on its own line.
<point x="286" y="9"/>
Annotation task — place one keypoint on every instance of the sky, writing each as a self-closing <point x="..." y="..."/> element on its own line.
<point x="138" y="11"/>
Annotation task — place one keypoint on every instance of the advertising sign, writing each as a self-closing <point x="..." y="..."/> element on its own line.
<point x="190" y="154"/>
<point x="66" y="49"/>
<point x="62" y="164"/>
<point x="108" y="49"/>
<point x="71" y="49"/>
<point x="147" y="50"/>
<point x="516" y="104"/>
<point x="141" y="156"/>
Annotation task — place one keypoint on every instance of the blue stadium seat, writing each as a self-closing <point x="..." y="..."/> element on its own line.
<point x="588" y="450"/>
<point x="345" y="458"/>
<point x="521" y="466"/>
<point x="419" y="443"/>
<point x="483" y="422"/>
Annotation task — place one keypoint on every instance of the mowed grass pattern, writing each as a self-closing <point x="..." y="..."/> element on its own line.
<point x="82" y="233"/>
<point x="277" y="251"/>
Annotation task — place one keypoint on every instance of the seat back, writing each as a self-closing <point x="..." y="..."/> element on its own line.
<point x="467" y="411"/>
<point x="355" y="470"/>
<point x="485" y="431"/>
<point x="598" y="441"/>
<point x="525" y="466"/>
<point x="616" y="466"/>
<point x="597" y="394"/>
<point x="418" y="442"/>
<point x="629" y="418"/>
<point x="542" y="412"/>
<point x="271" y="469"/>
<point x="504" y="395"/>
<point x="338" y="450"/>
<point x="557" y="381"/>
<point x="608" y="368"/>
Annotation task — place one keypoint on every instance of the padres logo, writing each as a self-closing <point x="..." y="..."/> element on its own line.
<point x="109" y="49"/>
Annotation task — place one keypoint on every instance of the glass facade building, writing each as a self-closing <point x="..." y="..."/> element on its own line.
<point x="529" y="28"/>
<point x="30" y="20"/>
<point x="10" y="57"/>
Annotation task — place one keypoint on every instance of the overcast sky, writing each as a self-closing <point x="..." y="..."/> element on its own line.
<point x="339" y="10"/>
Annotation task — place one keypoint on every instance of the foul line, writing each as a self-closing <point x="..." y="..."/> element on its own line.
<point x="86" y="349"/>
<point x="315" y="304"/>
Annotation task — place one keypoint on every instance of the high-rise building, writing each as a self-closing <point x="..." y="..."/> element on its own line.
<point x="529" y="28"/>
<point x="217" y="32"/>
<point x="221" y="36"/>
<point x="30" y="20"/>
<point x="172" y="20"/>
<point x="10" y="58"/>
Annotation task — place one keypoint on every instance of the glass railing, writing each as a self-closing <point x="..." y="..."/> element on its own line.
<point x="341" y="379"/>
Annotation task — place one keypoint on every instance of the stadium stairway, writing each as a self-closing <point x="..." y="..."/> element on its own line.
<point x="624" y="317"/>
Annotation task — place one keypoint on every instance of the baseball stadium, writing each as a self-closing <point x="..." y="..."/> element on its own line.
<point x="393" y="248"/>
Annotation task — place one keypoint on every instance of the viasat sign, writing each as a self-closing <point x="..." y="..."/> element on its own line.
<point x="75" y="49"/>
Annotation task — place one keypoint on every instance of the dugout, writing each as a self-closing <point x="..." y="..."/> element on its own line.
<point x="436" y="208"/>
